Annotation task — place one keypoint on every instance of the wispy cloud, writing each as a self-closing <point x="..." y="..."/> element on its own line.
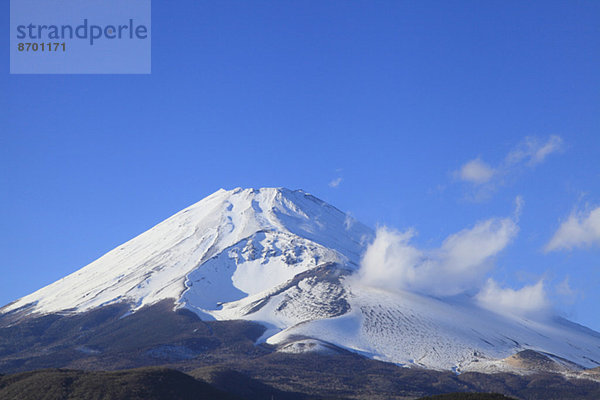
<point x="349" y="221"/>
<point x="528" y="300"/>
<point x="581" y="229"/>
<point x="476" y="171"/>
<point x="533" y="151"/>
<point x="566" y="292"/>
<point x="519" y="204"/>
<point x="485" y="178"/>
<point x="335" y="183"/>
<point x="392" y="262"/>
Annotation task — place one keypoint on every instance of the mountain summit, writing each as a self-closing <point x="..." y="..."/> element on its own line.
<point x="286" y="260"/>
<point x="263" y="237"/>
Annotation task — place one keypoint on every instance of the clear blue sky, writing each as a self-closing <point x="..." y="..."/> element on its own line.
<point x="393" y="97"/>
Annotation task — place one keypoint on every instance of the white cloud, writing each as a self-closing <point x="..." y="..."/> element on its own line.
<point x="519" y="204"/>
<point x="554" y="144"/>
<point x="486" y="178"/>
<point x="460" y="264"/>
<point x="476" y="171"/>
<point x="532" y="151"/>
<point x="525" y="301"/>
<point x="566" y="292"/>
<point x="564" y="288"/>
<point x="335" y="183"/>
<point x="579" y="230"/>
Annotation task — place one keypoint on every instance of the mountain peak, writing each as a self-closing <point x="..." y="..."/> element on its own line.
<point x="272" y="193"/>
<point x="284" y="259"/>
<point x="156" y="264"/>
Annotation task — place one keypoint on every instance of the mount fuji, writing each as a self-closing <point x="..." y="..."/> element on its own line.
<point x="288" y="261"/>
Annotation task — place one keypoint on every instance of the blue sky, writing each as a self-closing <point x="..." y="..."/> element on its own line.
<point x="390" y="99"/>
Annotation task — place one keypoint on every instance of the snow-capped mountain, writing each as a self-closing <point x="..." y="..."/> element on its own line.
<point x="223" y="248"/>
<point x="286" y="259"/>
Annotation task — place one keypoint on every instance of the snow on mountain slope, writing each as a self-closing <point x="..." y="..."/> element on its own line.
<point x="412" y="329"/>
<point x="254" y="266"/>
<point x="286" y="259"/>
<point x="292" y="230"/>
